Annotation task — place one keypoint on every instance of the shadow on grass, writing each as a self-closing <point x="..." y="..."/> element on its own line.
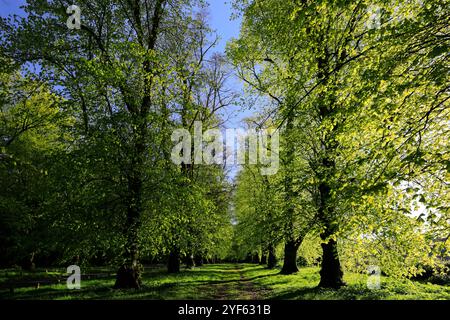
<point x="209" y="282"/>
<point x="345" y="293"/>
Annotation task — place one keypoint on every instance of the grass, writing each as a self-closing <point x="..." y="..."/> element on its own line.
<point x="224" y="281"/>
<point x="303" y="285"/>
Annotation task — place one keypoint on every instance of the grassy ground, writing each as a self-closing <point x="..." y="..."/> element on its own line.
<point x="224" y="281"/>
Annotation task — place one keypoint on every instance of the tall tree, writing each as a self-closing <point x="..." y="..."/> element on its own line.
<point x="326" y="55"/>
<point x="115" y="70"/>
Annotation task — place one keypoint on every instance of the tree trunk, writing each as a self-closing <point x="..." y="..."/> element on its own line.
<point x="128" y="275"/>
<point x="331" y="275"/>
<point x="28" y="264"/>
<point x="255" y="258"/>
<point x="272" y="259"/>
<point x="198" y="259"/>
<point x="173" y="265"/>
<point x="290" y="258"/>
<point x="189" y="259"/>
<point x="263" y="258"/>
<point x="290" y="245"/>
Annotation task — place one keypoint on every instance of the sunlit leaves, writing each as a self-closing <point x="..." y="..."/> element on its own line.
<point x="366" y="82"/>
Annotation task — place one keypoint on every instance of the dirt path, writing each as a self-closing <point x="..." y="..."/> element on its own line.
<point x="248" y="289"/>
<point x="236" y="286"/>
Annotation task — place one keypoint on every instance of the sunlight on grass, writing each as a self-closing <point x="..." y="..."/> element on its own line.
<point x="227" y="281"/>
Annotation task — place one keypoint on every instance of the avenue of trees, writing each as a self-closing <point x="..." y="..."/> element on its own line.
<point x="358" y="90"/>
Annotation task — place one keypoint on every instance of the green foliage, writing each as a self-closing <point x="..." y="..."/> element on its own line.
<point x="362" y="102"/>
<point x="111" y="193"/>
<point x="310" y="250"/>
<point x="32" y="136"/>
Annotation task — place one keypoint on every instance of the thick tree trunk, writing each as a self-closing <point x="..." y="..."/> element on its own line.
<point x="255" y="258"/>
<point x="128" y="275"/>
<point x="173" y="265"/>
<point x="290" y="258"/>
<point x="272" y="259"/>
<point x="331" y="275"/>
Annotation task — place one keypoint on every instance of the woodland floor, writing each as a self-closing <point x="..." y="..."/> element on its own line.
<point x="218" y="282"/>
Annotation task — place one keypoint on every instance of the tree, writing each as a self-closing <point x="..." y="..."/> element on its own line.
<point x="257" y="212"/>
<point x="318" y="62"/>
<point x="117" y="74"/>
<point x="31" y="137"/>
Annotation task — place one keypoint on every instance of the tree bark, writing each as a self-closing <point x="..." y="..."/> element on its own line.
<point x="128" y="275"/>
<point x="173" y="265"/>
<point x="290" y="258"/>
<point x="198" y="259"/>
<point x="28" y="264"/>
<point x="331" y="275"/>
<point x="263" y="258"/>
<point x="189" y="259"/>
<point x="290" y="245"/>
<point x="272" y="259"/>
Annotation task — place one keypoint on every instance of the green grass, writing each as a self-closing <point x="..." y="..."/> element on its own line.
<point x="303" y="285"/>
<point x="225" y="281"/>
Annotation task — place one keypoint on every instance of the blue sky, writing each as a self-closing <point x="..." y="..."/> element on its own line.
<point x="220" y="12"/>
<point x="10" y="7"/>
